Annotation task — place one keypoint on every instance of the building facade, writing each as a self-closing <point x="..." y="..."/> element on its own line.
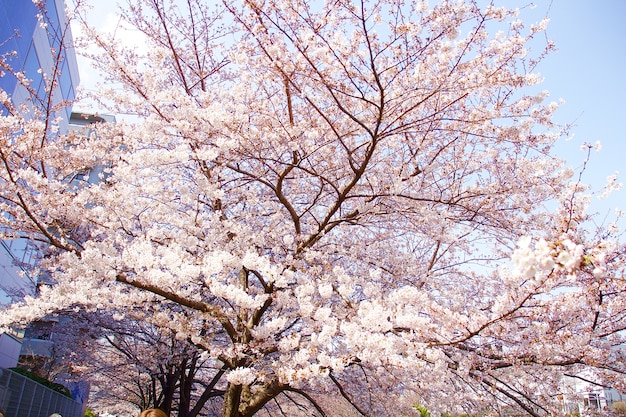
<point x="39" y="73"/>
<point x="37" y="42"/>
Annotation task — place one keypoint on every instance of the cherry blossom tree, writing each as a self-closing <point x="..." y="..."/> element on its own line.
<point x="133" y="363"/>
<point x="347" y="197"/>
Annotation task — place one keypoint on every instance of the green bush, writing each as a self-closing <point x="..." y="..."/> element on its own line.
<point x="423" y="410"/>
<point x="60" y="388"/>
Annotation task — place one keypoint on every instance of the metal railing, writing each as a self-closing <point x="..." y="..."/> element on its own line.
<point x="22" y="397"/>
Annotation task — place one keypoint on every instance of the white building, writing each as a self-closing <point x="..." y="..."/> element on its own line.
<point x="585" y="397"/>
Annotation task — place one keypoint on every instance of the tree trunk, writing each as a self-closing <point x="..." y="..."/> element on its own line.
<point x="239" y="402"/>
<point x="232" y="399"/>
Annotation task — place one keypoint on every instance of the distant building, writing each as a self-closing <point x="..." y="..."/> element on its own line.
<point x="38" y="341"/>
<point x="35" y="45"/>
<point x="10" y="348"/>
<point x="38" y="337"/>
<point x="38" y="43"/>
<point x="585" y="397"/>
<point x="83" y="123"/>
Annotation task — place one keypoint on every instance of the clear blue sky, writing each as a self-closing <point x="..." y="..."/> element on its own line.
<point x="589" y="72"/>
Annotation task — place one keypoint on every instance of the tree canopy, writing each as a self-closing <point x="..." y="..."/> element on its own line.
<point x="347" y="197"/>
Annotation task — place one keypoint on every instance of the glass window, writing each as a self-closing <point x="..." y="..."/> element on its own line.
<point x="54" y="27"/>
<point x="32" y="70"/>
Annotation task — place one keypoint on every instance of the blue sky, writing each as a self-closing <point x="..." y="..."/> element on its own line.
<point x="588" y="71"/>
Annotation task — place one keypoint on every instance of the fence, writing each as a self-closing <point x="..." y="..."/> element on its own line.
<point x="23" y="397"/>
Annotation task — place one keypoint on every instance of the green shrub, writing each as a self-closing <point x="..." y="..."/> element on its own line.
<point x="423" y="410"/>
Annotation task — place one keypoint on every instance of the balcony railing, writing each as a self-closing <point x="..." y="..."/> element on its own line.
<point x="22" y="397"/>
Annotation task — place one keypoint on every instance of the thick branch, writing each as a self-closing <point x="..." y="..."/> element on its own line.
<point x="210" y="309"/>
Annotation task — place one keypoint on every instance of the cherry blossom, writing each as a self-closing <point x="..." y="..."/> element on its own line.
<point x="355" y="199"/>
